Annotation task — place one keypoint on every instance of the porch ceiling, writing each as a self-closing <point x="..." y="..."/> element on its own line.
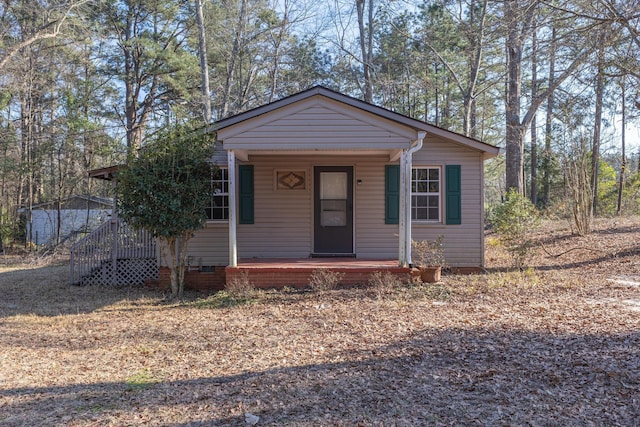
<point x="341" y="263"/>
<point x="394" y="154"/>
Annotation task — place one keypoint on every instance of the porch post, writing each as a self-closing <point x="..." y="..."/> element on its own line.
<point x="114" y="244"/>
<point x="114" y="251"/>
<point x="402" y="250"/>
<point x="406" y="190"/>
<point x="233" y="245"/>
<point x="407" y="210"/>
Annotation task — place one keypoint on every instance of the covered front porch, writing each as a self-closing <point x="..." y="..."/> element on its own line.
<point x="319" y="173"/>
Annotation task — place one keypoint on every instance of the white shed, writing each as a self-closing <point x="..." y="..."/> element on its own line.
<point x="77" y="215"/>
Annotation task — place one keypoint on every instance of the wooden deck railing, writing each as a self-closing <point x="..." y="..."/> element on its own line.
<point x="114" y="254"/>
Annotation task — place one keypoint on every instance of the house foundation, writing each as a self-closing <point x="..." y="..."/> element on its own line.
<point x="278" y="273"/>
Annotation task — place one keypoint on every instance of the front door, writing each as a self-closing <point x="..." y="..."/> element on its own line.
<point x="333" y="210"/>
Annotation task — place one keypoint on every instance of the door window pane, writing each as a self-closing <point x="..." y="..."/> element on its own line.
<point x="333" y="185"/>
<point x="333" y="199"/>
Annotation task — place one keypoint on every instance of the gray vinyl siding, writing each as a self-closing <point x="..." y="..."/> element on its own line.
<point x="282" y="218"/>
<point x="219" y="155"/>
<point x="210" y="245"/>
<point x="374" y="238"/>
<point x="463" y="243"/>
<point x="312" y="124"/>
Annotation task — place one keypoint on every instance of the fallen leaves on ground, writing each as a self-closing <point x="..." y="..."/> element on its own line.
<point x="557" y="344"/>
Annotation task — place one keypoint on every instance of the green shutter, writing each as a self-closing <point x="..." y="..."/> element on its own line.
<point x="454" y="194"/>
<point x="392" y="194"/>
<point x="245" y="195"/>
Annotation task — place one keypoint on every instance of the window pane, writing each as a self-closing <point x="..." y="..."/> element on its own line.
<point x="425" y="198"/>
<point x="219" y="207"/>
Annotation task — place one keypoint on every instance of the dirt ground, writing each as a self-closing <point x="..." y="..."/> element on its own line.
<point x="557" y="344"/>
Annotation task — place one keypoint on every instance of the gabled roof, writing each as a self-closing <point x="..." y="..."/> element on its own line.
<point x="320" y="91"/>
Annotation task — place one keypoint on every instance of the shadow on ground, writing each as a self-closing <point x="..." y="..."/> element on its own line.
<point x="630" y="253"/>
<point x="45" y="291"/>
<point x="459" y="376"/>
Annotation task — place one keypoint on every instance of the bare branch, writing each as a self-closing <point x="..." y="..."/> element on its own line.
<point x="57" y="26"/>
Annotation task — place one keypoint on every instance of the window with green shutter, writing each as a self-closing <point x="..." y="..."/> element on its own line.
<point x="426" y="194"/>
<point x="245" y="194"/>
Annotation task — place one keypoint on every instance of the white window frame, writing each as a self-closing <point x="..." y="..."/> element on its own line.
<point x="224" y="178"/>
<point x="427" y="194"/>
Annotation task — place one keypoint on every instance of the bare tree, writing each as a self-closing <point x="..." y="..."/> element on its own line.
<point x="534" y="125"/>
<point x="623" y="154"/>
<point x="579" y="186"/>
<point x="548" y="137"/>
<point x="518" y="15"/>
<point x="467" y="81"/>
<point x="366" y="30"/>
<point x="204" y="66"/>
<point x="55" y="19"/>
<point x="597" y="125"/>
<point x="238" y="41"/>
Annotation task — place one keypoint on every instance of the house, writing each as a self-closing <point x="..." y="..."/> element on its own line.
<point x="76" y="215"/>
<point x="323" y="177"/>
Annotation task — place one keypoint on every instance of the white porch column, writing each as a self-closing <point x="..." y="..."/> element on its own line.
<point x="233" y="244"/>
<point x="406" y="190"/>
<point x="402" y="250"/>
<point x="406" y="165"/>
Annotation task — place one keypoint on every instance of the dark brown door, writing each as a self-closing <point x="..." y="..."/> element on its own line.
<point x="333" y="210"/>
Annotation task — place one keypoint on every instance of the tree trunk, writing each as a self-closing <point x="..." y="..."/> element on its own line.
<point x="514" y="131"/>
<point x="516" y="126"/>
<point x="595" y="151"/>
<point x="623" y="163"/>
<point x="174" y="251"/>
<point x="366" y="46"/>
<point x="275" y="67"/>
<point x="168" y="252"/>
<point x="548" y="124"/>
<point x="579" y="187"/>
<point x="234" y="57"/>
<point x="204" y="67"/>
<point x="474" y="71"/>
<point x="534" y="125"/>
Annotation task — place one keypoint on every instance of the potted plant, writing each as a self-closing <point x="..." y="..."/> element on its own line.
<point x="428" y="257"/>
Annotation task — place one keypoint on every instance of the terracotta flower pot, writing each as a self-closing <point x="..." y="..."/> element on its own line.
<point x="430" y="274"/>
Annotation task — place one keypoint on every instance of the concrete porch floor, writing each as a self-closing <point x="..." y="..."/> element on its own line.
<point x="280" y="272"/>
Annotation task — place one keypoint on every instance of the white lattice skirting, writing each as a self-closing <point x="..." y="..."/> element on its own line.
<point x="127" y="272"/>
